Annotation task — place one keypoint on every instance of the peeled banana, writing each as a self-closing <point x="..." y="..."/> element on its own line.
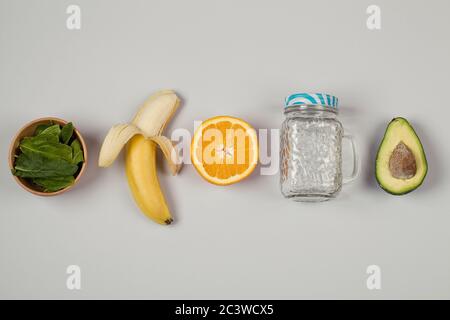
<point x="141" y="138"/>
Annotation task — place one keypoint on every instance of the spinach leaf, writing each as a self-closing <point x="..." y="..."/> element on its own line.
<point x="54" y="184"/>
<point x="66" y="133"/>
<point x="44" y="136"/>
<point x="35" y="165"/>
<point x="41" y="128"/>
<point x="45" y="145"/>
<point x="53" y="130"/>
<point x="77" y="152"/>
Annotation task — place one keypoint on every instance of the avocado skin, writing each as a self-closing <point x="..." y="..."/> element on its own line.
<point x="378" y="152"/>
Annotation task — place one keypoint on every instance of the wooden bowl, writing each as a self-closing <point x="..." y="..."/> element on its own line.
<point x="28" y="131"/>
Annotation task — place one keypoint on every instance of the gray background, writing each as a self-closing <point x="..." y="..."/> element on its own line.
<point x="238" y="58"/>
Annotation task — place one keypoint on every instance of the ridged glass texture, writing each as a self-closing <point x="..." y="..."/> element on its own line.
<point x="311" y="155"/>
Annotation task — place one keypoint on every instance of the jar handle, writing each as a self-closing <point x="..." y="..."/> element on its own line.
<point x="356" y="165"/>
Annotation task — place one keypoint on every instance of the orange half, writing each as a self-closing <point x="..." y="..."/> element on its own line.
<point x="224" y="150"/>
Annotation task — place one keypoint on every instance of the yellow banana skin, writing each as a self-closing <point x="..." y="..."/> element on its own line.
<point x="140" y="164"/>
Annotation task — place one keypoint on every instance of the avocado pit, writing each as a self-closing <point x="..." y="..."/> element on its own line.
<point x="402" y="162"/>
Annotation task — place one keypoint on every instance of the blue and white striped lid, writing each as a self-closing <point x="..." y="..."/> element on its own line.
<point x="312" y="99"/>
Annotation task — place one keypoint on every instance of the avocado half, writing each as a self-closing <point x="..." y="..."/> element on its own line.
<point x="401" y="164"/>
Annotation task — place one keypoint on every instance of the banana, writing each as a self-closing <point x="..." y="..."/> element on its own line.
<point x="141" y="138"/>
<point x="143" y="180"/>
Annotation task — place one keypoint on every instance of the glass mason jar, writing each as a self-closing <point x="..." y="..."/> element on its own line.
<point x="311" y="148"/>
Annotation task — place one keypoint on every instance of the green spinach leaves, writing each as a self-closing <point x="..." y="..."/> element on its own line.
<point x="77" y="152"/>
<point x="66" y="133"/>
<point x="51" y="158"/>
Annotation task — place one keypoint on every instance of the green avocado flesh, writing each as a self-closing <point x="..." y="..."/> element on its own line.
<point x="401" y="165"/>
